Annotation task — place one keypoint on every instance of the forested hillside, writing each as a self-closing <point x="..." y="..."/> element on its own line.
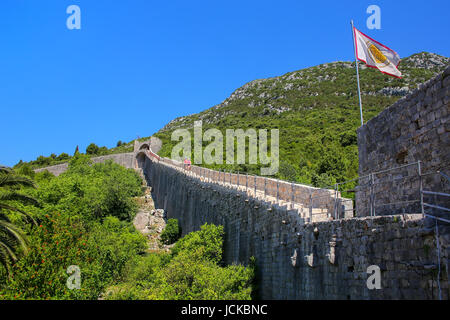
<point x="316" y="110"/>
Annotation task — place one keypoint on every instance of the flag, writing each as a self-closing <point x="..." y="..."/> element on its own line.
<point x="376" y="55"/>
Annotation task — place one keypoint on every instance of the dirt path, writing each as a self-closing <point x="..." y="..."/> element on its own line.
<point x="150" y="222"/>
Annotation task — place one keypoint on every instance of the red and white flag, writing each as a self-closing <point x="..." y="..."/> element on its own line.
<point x="376" y="55"/>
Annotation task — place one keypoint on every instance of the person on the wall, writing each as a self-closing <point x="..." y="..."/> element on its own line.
<point x="188" y="164"/>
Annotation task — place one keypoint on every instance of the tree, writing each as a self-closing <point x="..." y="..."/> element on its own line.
<point x="288" y="171"/>
<point x="348" y="138"/>
<point x="119" y="143"/>
<point x="63" y="156"/>
<point x="207" y="243"/>
<point x="11" y="236"/>
<point x="92" y="149"/>
<point x="323" y="180"/>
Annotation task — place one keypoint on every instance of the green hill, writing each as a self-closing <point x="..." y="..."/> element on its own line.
<point x="316" y="110"/>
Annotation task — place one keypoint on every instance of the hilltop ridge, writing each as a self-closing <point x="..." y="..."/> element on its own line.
<point x="316" y="110"/>
<point x="262" y="90"/>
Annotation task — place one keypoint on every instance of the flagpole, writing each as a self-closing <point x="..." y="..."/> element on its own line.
<point x="357" y="74"/>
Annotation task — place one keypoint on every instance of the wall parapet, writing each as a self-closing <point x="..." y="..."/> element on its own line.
<point x="312" y="204"/>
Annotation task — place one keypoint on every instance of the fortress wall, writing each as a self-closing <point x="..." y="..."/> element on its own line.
<point x="322" y="201"/>
<point x="56" y="169"/>
<point x="323" y="260"/>
<point x="125" y="159"/>
<point x="416" y="127"/>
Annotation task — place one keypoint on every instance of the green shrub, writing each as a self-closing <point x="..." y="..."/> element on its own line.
<point x="186" y="278"/>
<point x="171" y="233"/>
<point x="191" y="271"/>
<point x="94" y="191"/>
<point x="205" y="244"/>
<point x="194" y="271"/>
<point x="101" y="250"/>
<point x="85" y="220"/>
<point x="323" y="180"/>
<point x="288" y="171"/>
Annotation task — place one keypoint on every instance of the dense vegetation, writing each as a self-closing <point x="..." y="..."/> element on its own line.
<point x="172" y="232"/>
<point x="84" y="218"/>
<point x="191" y="271"/>
<point x="12" y="240"/>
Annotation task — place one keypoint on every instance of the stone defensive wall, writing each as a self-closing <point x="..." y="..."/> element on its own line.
<point x="56" y="169"/>
<point x="301" y="259"/>
<point x="124" y="159"/>
<point x="414" y="129"/>
<point x="312" y="204"/>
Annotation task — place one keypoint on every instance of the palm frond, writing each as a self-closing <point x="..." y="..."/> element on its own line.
<point x="4" y="217"/>
<point x="13" y="180"/>
<point x="8" y="207"/>
<point x="5" y="258"/>
<point x="5" y="169"/>
<point x="12" y="236"/>
<point x="8" y="250"/>
<point x="14" y="196"/>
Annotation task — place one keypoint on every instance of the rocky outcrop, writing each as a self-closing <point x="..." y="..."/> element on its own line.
<point x="284" y="93"/>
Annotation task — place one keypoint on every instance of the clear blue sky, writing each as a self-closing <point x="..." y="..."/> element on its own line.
<point x="137" y="64"/>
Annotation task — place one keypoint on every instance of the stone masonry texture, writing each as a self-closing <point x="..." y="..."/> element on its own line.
<point x="415" y="128"/>
<point x="323" y="260"/>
